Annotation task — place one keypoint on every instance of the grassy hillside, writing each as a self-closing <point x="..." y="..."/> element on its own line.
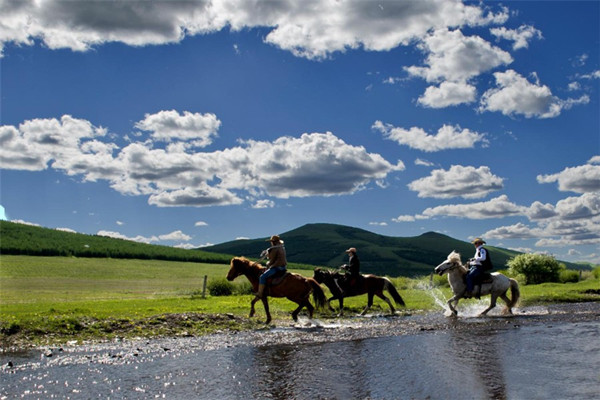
<point x="36" y="241"/>
<point x="324" y="244"/>
<point x="307" y="246"/>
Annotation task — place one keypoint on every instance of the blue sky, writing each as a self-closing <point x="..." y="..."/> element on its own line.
<point x="199" y="122"/>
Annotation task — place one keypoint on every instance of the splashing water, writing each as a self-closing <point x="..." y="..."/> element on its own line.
<point x="436" y="294"/>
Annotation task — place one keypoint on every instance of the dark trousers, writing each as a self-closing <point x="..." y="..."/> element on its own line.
<point x="474" y="273"/>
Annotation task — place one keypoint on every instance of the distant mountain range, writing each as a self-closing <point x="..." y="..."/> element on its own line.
<point x="311" y="244"/>
<point x="324" y="245"/>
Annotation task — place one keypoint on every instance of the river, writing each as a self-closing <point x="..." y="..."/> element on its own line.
<point x="544" y="352"/>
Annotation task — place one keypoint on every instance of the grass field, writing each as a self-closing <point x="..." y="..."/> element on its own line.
<point x="54" y="299"/>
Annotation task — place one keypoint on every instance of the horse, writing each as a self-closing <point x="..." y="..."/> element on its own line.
<point x="497" y="287"/>
<point x="370" y="284"/>
<point x="294" y="287"/>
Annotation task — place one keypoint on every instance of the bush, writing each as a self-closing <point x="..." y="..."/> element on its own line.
<point x="220" y="287"/>
<point x="242" y="288"/>
<point x="536" y="268"/>
<point x="596" y="272"/>
<point x="568" y="275"/>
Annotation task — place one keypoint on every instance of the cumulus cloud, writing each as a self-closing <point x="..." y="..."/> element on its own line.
<point x="520" y="36"/>
<point x="314" y="164"/>
<point x="166" y="126"/>
<point x="448" y="94"/>
<point x="515" y="95"/>
<point x="313" y="29"/>
<point x="459" y="181"/>
<point x="457" y="58"/>
<point x="498" y="207"/>
<point x="580" y="179"/>
<point x="447" y="137"/>
<point x="572" y="221"/>
<point x="516" y="231"/>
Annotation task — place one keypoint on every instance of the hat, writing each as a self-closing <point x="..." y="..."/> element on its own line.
<point x="351" y="250"/>
<point x="478" y="240"/>
<point x="274" y="238"/>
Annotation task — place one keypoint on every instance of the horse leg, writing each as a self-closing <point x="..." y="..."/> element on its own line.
<point x="266" y="305"/>
<point x="329" y="304"/>
<point x="309" y="307"/>
<point x="492" y="305"/>
<point x="341" y="313"/>
<point x="384" y="298"/>
<point x="454" y="300"/>
<point x="507" y="309"/>
<point x="252" y="310"/>
<point x="369" y="303"/>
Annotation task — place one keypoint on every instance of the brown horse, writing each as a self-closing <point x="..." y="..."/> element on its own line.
<point x="370" y="284"/>
<point x="294" y="287"/>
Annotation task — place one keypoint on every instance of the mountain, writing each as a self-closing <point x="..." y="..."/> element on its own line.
<point x="324" y="245"/>
<point x="21" y="239"/>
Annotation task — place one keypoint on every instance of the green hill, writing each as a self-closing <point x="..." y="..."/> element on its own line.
<point x="21" y="239"/>
<point x="311" y="244"/>
<point x="324" y="244"/>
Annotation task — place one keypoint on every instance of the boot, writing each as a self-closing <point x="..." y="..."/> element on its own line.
<point x="261" y="290"/>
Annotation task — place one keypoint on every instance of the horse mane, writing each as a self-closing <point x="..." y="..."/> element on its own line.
<point x="248" y="264"/>
<point x="454" y="257"/>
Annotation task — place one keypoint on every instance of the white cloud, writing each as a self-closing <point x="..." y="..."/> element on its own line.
<point x="424" y="163"/>
<point x="466" y="182"/>
<point x="515" y="95"/>
<point x="448" y="94"/>
<point x="516" y="231"/>
<point x="117" y="235"/>
<point x="200" y="223"/>
<point x="498" y="207"/>
<point x="521" y="36"/>
<point x="315" y="164"/>
<point x="457" y="58"/>
<point x="447" y="137"/>
<point x="197" y="128"/>
<point x="580" y="179"/>
<point x="175" y="235"/>
<point x="313" y="29"/>
<point x="264" y="203"/>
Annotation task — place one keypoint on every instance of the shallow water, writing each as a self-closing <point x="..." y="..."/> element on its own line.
<point x="541" y="353"/>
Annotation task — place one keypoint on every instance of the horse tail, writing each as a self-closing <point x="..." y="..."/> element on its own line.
<point x="515" y="293"/>
<point x="389" y="286"/>
<point x="318" y="294"/>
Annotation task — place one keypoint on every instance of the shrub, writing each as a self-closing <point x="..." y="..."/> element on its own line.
<point x="568" y="275"/>
<point x="596" y="272"/>
<point x="242" y="288"/>
<point x="220" y="287"/>
<point x="536" y="268"/>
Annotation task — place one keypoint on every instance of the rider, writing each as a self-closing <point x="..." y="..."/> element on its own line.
<point x="277" y="262"/>
<point x="352" y="270"/>
<point x="480" y="263"/>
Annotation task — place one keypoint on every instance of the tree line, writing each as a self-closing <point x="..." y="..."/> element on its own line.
<point x="21" y="239"/>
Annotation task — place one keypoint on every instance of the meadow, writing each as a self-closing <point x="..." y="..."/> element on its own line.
<point x="47" y="300"/>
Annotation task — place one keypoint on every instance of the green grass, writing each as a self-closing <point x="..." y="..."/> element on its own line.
<point x="56" y="299"/>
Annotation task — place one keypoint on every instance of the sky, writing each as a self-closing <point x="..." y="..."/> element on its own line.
<point x="190" y="123"/>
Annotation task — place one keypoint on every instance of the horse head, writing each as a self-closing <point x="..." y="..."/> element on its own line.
<point x="240" y="266"/>
<point x="453" y="261"/>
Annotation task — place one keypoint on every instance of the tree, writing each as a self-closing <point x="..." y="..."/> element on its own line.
<point x="537" y="268"/>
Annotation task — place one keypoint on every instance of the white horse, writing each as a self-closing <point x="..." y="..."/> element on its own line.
<point x="496" y="288"/>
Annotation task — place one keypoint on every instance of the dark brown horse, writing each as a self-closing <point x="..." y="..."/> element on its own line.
<point x="294" y="287"/>
<point x="370" y="284"/>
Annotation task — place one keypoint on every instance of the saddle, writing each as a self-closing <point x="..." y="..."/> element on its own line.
<point x="277" y="278"/>
<point x="485" y="277"/>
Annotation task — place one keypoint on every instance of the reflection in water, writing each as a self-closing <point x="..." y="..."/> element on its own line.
<point x="478" y="352"/>
<point x="472" y="359"/>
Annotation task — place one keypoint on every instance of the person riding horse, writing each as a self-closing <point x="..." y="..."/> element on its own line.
<point x="479" y="264"/>
<point x="352" y="271"/>
<point x="277" y="262"/>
